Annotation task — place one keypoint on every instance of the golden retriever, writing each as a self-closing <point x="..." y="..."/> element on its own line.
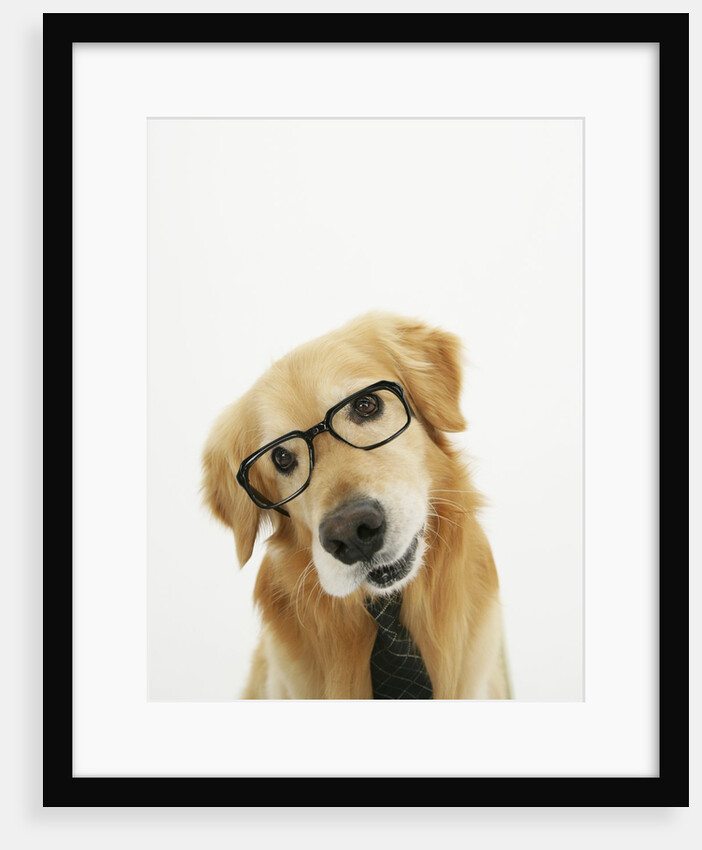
<point x="400" y="518"/>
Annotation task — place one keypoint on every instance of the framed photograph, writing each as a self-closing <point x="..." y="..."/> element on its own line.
<point x="222" y="190"/>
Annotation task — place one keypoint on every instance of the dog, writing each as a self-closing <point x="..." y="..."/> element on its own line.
<point x="365" y="501"/>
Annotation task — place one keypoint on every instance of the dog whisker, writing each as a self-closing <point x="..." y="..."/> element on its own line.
<point x="438" y="536"/>
<point x="443" y="518"/>
<point x="440" y="490"/>
<point x="314" y="596"/>
<point x="455" y="505"/>
<point x="298" y="589"/>
<point x="318" y="599"/>
<point x="435" y="529"/>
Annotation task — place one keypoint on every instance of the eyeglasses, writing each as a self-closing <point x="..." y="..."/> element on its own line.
<point x="282" y="469"/>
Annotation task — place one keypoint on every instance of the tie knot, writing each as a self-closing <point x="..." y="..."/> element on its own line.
<point x="385" y="609"/>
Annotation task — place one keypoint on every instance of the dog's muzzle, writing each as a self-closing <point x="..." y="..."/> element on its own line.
<point x="354" y="531"/>
<point x="354" y="534"/>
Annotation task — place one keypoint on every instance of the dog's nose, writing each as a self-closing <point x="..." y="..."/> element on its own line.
<point x="354" y="531"/>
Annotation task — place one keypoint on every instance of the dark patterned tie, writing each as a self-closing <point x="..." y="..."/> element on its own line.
<point x="397" y="668"/>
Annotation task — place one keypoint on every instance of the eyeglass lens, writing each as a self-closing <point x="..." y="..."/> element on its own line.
<point x="282" y="470"/>
<point x="370" y="419"/>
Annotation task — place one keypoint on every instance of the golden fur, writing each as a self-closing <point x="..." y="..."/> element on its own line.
<point x="315" y="645"/>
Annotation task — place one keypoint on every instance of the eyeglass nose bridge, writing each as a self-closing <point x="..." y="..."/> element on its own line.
<point x="315" y="430"/>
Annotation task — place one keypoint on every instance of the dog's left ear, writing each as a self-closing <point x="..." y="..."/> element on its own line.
<point x="428" y="361"/>
<point x="223" y="452"/>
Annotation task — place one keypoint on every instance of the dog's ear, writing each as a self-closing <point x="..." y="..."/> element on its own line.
<point x="223" y="452"/>
<point x="428" y="361"/>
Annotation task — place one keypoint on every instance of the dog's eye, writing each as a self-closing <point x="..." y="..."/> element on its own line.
<point x="284" y="460"/>
<point x="366" y="406"/>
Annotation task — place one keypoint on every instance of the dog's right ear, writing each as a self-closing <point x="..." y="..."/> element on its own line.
<point x="428" y="362"/>
<point x="224" y="451"/>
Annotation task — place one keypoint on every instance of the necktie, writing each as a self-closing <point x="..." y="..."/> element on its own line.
<point x="397" y="668"/>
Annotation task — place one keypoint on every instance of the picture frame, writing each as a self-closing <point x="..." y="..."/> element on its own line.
<point x="62" y="787"/>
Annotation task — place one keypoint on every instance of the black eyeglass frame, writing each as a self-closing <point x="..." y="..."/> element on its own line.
<point x="308" y="436"/>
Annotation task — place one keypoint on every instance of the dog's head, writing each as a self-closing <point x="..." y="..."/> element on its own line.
<point x="361" y="511"/>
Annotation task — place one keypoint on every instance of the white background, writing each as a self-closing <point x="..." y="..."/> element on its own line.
<point x="24" y="822"/>
<point x="264" y="234"/>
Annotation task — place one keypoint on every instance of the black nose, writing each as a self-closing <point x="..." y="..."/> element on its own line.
<point x="354" y="531"/>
